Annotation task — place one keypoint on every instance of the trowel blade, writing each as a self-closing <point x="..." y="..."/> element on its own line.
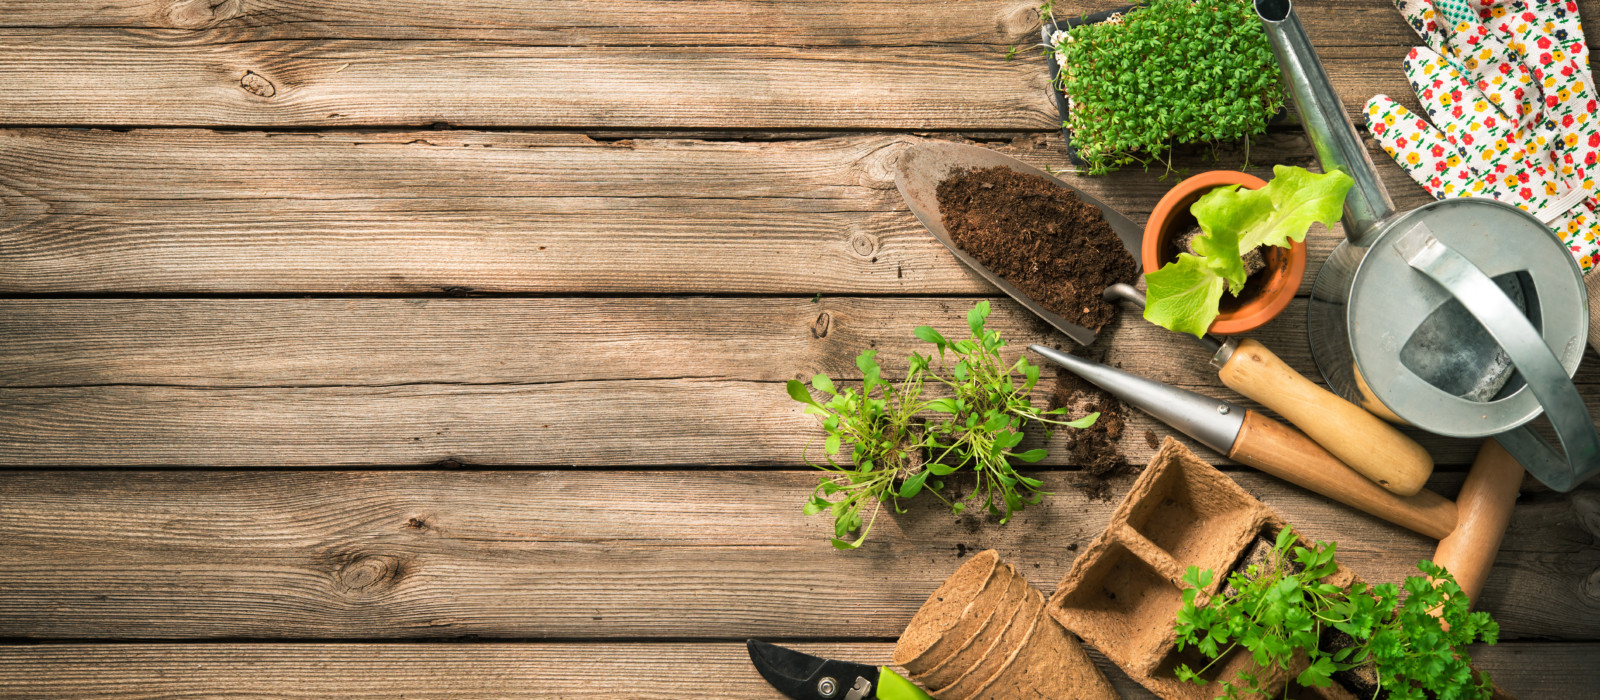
<point x="926" y="164"/>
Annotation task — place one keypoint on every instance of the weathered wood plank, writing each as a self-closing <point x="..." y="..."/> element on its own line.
<point x="118" y="77"/>
<point x="302" y="382"/>
<point x="620" y="554"/>
<point x="163" y="211"/>
<point x="180" y="78"/>
<point x="545" y="671"/>
<point x="659" y="23"/>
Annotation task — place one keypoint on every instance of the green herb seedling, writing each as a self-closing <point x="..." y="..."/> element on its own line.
<point x="1186" y="295"/>
<point x="988" y="415"/>
<point x="1277" y="611"/>
<point x="879" y="424"/>
<point x="890" y="429"/>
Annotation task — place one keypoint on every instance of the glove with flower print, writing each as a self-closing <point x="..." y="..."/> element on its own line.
<point x="1512" y="102"/>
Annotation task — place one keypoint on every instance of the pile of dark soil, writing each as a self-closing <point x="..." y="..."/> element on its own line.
<point x="1094" y="449"/>
<point x="1040" y="237"/>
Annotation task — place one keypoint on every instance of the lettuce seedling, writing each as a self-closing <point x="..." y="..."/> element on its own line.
<point x="1185" y="295"/>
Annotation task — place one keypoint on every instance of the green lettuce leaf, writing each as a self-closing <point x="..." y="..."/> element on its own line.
<point x="1228" y="211"/>
<point x="1183" y="295"/>
<point x="1274" y="215"/>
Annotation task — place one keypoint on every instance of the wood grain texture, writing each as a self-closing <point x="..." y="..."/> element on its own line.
<point x="119" y="77"/>
<point x="620" y="554"/>
<point x="590" y="381"/>
<point x="155" y="77"/>
<point x="547" y="671"/>
<point x="656" y="22"/>
<point x="193" y="211"/>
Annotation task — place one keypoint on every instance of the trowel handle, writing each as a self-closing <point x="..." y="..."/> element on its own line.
<point x="1484" y="510"/>
<point x="1286" y="453"/>
<point x="1370" y="446"/>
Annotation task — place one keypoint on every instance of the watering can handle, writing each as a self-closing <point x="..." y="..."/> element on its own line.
<point x="1540" y="368"/>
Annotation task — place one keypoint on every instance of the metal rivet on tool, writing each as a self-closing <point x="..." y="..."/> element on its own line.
<point x="827" y="687"/>
<point x="1223" y="409"/>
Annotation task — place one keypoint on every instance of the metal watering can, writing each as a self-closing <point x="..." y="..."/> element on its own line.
<point x="1463" y="317"/>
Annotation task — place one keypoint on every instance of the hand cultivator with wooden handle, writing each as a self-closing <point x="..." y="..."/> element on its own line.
<point x="1468" y="529"/>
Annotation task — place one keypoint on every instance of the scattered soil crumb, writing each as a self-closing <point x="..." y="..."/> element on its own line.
<point x="1093" y="449"/>
<point x="1072" y="546"/>
<point x="961" y="550"/>
<point x="1150" y="440"/>
<point x="1056" y="249"/>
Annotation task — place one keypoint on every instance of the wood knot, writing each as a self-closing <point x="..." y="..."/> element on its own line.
<point x="201" y="14"/>
<point x="371" y="573"/>
<point x="1589" y="589"/>
<point x="821" y="326"/>
<point x="253" y="83"/>
<point x="1586" y="506"/>
<point x="863" y="244"/>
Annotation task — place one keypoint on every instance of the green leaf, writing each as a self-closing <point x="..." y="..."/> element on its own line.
<point x="913" y="485"/>
<point x="929" y="334"/>
<point x="831" y="444"/>
<point x="821" y="382"/>
<point x="1225" y="210"/>
<point x="1299" y="199"/>
<point x="1084" y="422"/>
<point x="976" y="316"/>
<point x="1032" y="455"/>
<point x="797" y="391"/>
<point x="1183" y="295"/>
<point x="943" y="406"/>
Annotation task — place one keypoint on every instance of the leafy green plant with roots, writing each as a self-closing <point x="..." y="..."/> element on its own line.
<point x="988" y="415"/>
<point x="902" y="443"/>
<point x="879" y="422"/>
<point x="1278" y="610"/>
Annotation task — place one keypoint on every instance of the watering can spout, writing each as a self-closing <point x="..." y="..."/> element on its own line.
<point x="1335" y="139"/>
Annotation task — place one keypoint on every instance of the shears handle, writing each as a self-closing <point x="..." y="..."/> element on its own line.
<point x="892" y="687"/>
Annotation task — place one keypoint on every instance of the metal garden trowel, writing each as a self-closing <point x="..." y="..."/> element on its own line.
<point x="1370" y="446"/>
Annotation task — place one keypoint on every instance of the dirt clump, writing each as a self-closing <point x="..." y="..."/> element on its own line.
<point x="1056" y="249"/>
<point x="1093" y="449"/>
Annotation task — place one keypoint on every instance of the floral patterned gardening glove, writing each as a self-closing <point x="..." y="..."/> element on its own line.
<point x="1506" y="84"/>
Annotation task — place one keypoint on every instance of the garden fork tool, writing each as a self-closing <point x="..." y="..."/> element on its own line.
<point x="1469" y="529"/>
<point x="1359" y="439"/>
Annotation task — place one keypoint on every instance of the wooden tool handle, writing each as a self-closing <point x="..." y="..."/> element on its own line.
<point x="1483" y="511"/>
<point x="1284" y="452"/>
<point x="1370" y="446"/>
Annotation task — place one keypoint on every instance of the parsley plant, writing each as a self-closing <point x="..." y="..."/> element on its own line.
<point x="1277" y="609"/>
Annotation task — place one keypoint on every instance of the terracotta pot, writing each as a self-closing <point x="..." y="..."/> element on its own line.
<point x="1265" y="294"/>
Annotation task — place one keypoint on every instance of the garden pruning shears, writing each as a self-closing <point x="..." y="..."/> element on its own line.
<point x="806" y="677"/>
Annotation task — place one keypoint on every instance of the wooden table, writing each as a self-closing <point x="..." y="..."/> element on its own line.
<point x="435" y="349"/>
